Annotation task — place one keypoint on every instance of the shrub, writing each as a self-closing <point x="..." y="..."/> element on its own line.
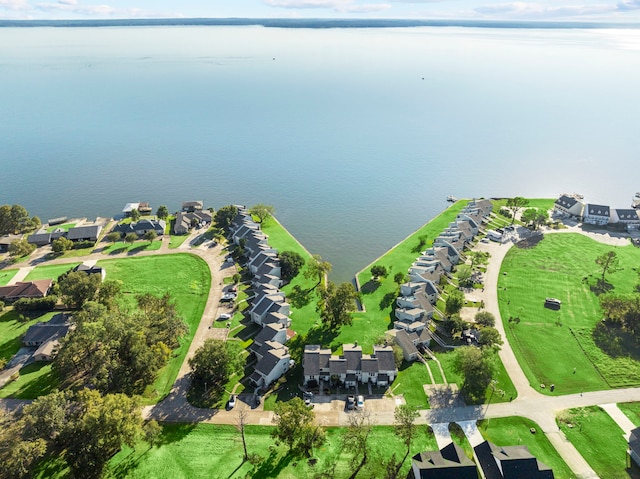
<point x="83" y="244"/>
<point x="36" y="304"/>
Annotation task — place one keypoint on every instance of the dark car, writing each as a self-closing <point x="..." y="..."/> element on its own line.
<point x="351" y="402"/>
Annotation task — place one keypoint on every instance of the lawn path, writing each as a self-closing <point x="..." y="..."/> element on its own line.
<point x="20" y="275"/>
<point x="619" y="417"/>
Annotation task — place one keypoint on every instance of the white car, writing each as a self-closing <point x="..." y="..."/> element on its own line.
<point x="232" y="401"/>
<point x="224" y="316"/>
<point x="360" y="403"/>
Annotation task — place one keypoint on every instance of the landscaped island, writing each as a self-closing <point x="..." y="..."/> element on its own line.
<point x="301" y="376"/>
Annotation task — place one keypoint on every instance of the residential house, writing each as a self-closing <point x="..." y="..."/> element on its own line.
<point x="634" y="445"/>
<point x="185" y="221"/>
<point x="192" y="206"/>
<point x="260" y="258"/>
<point x="628" y="217"/>
<point x="91" y="269"/>
<point x="26" y="289"/>
<point x="596" y="215"/>
<point x="276" y="318"/>
<point x="451" y="462"/>
<point x="84" y="233"/>
<point x="6" y="240"/>
<point x="410" y="342"/>
<point x="568" y="207"/>
<point x="141" y="228"/>
<point x="274" y="364"/>
<point x="268" y="304"/>
<point x="351" y="367"/>
<point x="270" y="332"/>
<point x="39" y="238"/>
<point x="46" y="337"/>
<point x="510" y="462"/>
<point x="127" y="211"/>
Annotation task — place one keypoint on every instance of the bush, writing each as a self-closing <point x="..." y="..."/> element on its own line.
<point x="36" y="304"/>
<point x="505" y="212"/>
<point x="83" y="244"/>
<point x="1" y="306"/>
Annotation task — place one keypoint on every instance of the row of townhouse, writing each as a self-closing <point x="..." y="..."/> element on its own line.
<point x="43" y="237"/>
<point x="415" y="305"/>
<point x="349" y="368"/>
<point x="572" y="206"/>
<point x="269" y="307"/>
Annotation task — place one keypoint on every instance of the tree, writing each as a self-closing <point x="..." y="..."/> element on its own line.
<point x="464" y="274"/>
<point x="378" y="271"/>
<point x="18" y="455"/>
<point x="109" y="292"/>
<point x="62" y="244"/>
<point x="290" y="265"/>
<point x="15" y="220"/>
<point x="476" y="368"/>
<point x="485" y="318"/>
<point x="135" y="215"/>
<point x="614" y="306"/>
<point x="20" y="248"/>
<point x="534" y="217"/>
<point x="454" y="324"/>
<point x="336" y="303"/>
<point x="163" y="212"/>
<point x="398" y="355"/>
<point x="224" y="216"/>
<point x="516" y="204"/>
<point x="405" y="424"/>
<point x="113" y="236"/>
<point x="295" y="424"/>
<point x="399" y="278"/>
<point x="356" y="437"/>
<point x="131" y="237"/>
<point x="317" y="268"/>
<point x="78" y="287"/>
<point x="490" y="338"/>
<point x="262" y="211"/>
<point x="150" y="236"/>
<point x="454" y="302"/>
<point x="609" y="263"/>
<point x="214" y="362"/>
<point x="241" y="423"/>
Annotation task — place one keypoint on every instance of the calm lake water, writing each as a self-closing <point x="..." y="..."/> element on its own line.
<point x="356" y="136"/>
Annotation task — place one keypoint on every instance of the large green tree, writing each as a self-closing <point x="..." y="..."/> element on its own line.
<point x="515" y="204"/>
<point x="163" y="212"/>
<point x="15" y="219"/>
<point x="608" y="262"/>
<point x="76" y="288"/>
<point x="317" y="268"/>
<point x="262" y="211"/>
<point x="336" y="303"/>
<point x="534" y="217"/>
<point x="224" y="216"/>
<point x="476" y="366"/>
<point x="62" y="244"/>
<point x="290" y="265"/>
<point x="454" y="302"/>
<point x="295" y="425"/>
<point x="214" y="362"/>
<point x="20" y="248"/>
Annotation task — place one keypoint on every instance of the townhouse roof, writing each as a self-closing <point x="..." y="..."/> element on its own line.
<point x="386" y="360"/>
<point x="597" y="210"/>
<point x="81" y="232"/>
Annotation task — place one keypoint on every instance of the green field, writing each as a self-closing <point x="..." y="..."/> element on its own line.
<point x="378" y="297"/>
<point x="632" y="411"/>
<point x="132" y="248"/>
<point x="515" y="431"/>
<point x="550" y="344"/>
<point x="36" y="379"/>
<point x="186" y="277"/>
<point x="50" y="271"/>
<point x="210" y="451"/>
<point x="177" y="240"/>
<point x="6" y="275"/>
<point x="65" y="227"/>
<point x="599" y="440"/>
<point x="410" y="381"/>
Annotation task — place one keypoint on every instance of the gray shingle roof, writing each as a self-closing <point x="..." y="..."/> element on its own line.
<point x="386" y="360"/>
<point x="597" y="210"/>
<point x="84" y="232"/>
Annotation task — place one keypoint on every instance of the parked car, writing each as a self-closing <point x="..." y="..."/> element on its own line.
<point x="224" y="316"/>
<point x="360" y="403"/>
<point x="232" y="401"/>
<point x="308" y="396"/>
<point x="351" y="402"/>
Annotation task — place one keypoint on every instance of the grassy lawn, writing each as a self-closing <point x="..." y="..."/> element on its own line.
<point x="599" y="440"/>
<point x="515" y="431"/>
<point x="410" y="381"/>
<point x="204" y="451"/>
<point x="65" y="227"/>
<point x="12" y="330"/>
<point x="133" y="248"/>
<point x="36" y="379"/>
<point x="378" y="297"/>
<point x="186" y="277"/>
<point x="49" y="272"/>
<point x="632" y="411"/>
<point x="6" y="275"/>
<point x="550" y="344"/>
<point x="458" y="436"/>
<point x="72" y="253"/>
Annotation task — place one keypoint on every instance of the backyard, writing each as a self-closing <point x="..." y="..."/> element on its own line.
<point x="557" y="346"/>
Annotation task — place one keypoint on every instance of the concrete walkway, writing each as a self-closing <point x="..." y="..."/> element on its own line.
<point x="20" y="275"/>
<point x="470" y="429"/>
<point x="442" y="434"/>
<point x="620" y="418"/>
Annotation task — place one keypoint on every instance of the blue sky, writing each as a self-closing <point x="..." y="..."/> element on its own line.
<point x="560" y="10"/>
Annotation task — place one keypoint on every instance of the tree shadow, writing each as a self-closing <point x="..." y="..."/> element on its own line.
<point x="530" y="242"/>
<point x="174" y="433"/>
<point x="118" y="250"/>
<point x="298" y="297"/>
<point x="388" y="299"/>
<point x="370" y="287"/>
<point x="272" y="466"/>
<point x="614" y="341"/>
<point x="601" y="286"/>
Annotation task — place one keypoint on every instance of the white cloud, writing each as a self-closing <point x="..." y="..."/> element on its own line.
<point x="629" y="5"/>
<point x="536" y="10"/>
<point x="348" y="6"/>
<point x="14" y="5"/>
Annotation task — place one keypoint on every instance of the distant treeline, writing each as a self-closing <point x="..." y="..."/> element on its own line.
<point x="309" y="23"/>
